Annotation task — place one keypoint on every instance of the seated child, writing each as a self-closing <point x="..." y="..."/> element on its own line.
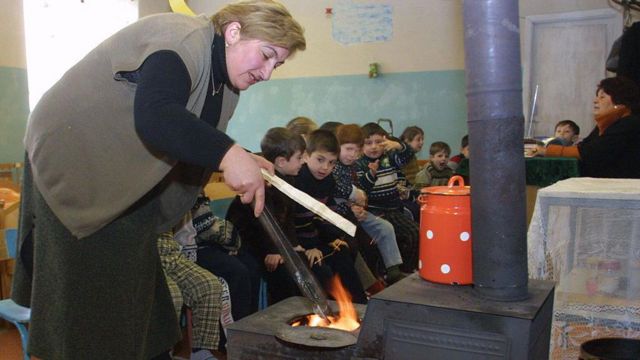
<point x="436" y="172"/>
<point x="566" y="134"/>
<point x="219" y="250"/>
<point x="302" y="126"/>
<point x="454" y="161"/>
<point x="330" y="125"/>
<point x="377" y="172"/>
<point x="414" y="137"/>
<point x="371" y="282"/>
<point x="198" y="289"/>
<point x="325" y="243"/>
<point x="284" y="149"/>
<point x="350" y="137"/>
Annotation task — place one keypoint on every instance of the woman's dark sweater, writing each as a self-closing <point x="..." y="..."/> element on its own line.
<point x="615" y="153"/>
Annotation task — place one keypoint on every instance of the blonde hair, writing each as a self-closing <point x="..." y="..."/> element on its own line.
<point x="265" y="20"/>
<point x="302" y="126"/>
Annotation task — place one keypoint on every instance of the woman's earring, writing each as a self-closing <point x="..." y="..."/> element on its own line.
<point x="226" y="44"/>
<point x="615" y="106"/>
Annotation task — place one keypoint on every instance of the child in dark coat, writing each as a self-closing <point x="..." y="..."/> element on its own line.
<point x="324" y="242"/>
<point x="284" y="149"/>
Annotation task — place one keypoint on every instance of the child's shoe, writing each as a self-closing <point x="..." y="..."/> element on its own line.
<point x="375" y="288"/>
<point x="394" y="274"/>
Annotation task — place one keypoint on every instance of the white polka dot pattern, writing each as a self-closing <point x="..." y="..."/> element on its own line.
<point x="445" y="268"/>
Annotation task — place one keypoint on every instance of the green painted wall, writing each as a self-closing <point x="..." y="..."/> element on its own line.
<point x="434" y="100"/>
<point x="14" y="110"/>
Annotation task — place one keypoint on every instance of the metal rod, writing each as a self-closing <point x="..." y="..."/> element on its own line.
<point x="302" y="276"/>
<point x="533" y="111"/>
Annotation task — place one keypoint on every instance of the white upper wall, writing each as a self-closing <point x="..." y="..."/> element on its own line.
<point x="12" y="50"/>
<point x="427" y="34"/>
<point x="412" y="45"/>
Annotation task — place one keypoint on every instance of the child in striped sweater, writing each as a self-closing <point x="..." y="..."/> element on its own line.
<point x="377" y="172"/>
<point x="350" y="137"/>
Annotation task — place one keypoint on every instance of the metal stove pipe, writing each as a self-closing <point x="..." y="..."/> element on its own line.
<point x="496" y="128"/>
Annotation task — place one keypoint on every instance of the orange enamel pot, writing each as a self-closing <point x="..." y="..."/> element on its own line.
<point x="445" y="233"/>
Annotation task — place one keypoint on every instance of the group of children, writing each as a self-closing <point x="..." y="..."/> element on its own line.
<point x="360" y="172"/>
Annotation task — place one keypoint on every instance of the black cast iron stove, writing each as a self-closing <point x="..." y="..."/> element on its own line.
<point x="417" y="319"/>
<point x="504" y="315"/>
<point x="263" y="335"/>
<point x="413" y="319"/>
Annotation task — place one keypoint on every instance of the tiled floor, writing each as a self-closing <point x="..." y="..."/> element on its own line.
<point x="10" y="347"/>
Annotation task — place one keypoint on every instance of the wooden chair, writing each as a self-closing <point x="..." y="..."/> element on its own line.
<point x="12" y="173"/>
<point x="9" y="204"/>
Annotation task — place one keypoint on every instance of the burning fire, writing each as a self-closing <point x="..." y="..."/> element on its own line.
<point x="347" y="318"/>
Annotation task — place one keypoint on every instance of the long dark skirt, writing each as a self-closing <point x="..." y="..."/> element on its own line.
<point x="100" y="297"/>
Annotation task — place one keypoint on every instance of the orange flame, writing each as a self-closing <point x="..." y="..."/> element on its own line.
<point x="347" y="318"/>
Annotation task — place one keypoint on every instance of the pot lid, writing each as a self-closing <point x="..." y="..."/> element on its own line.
<point x="317" y="337"/>
<point x="451" y="189"/>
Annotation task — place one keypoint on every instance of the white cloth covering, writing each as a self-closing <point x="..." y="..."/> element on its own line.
<point x="585" y="235"/>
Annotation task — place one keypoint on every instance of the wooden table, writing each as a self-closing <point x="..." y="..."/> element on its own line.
<point x="540" y="172"/>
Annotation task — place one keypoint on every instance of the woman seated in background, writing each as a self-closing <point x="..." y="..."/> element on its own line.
<point x="612" y="149"/>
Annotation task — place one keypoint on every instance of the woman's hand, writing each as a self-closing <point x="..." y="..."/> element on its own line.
<point x="314" y="255"/>
<point x="272" y="261"/>
<point x="242" y="174"/>
<point x="264" y="163"/>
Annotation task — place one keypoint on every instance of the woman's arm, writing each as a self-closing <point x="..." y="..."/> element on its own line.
<point x="164" y="123"/>
<point x="162" y="120"/>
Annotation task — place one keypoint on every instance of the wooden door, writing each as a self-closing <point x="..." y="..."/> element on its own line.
<point x="565" y="56"/>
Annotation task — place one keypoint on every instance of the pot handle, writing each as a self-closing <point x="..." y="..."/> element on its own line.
<point x="453" y="180"/>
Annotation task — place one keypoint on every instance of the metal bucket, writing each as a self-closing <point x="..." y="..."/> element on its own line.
<point x="445" y="233"/>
